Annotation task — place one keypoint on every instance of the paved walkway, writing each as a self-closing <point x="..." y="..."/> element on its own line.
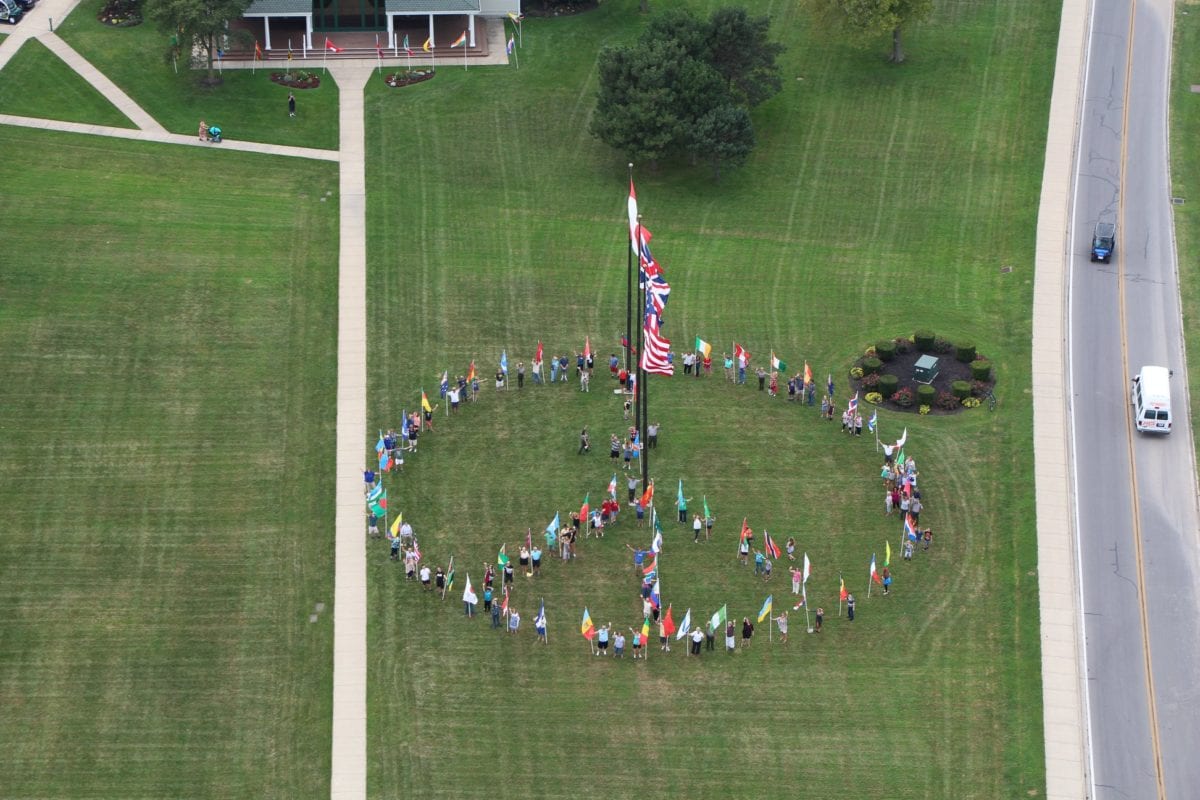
<point x="1063" y="721"/>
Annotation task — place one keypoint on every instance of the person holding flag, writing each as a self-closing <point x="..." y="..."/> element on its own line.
<point x="539" y="624"/>
<point x="681" y="503"/>
<point x="469" y="598"/>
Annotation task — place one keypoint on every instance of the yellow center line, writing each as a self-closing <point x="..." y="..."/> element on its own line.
<point x="1155" y="744"/>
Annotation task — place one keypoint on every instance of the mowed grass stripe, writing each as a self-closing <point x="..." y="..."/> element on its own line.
<point x="38" y="84"/>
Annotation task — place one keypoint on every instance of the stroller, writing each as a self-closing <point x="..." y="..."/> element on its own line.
<point x="214" y="133"/>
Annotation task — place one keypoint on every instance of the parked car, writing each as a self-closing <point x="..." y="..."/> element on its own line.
<point x="1104" y="242"/>
<point x="26" y="5"/>
<point x="10" y="12"/>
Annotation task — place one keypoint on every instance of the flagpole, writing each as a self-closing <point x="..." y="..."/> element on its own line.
<point x="640" y="419"/>
<point x="529" y="542"/>
<point x="629" y="289"/>
<point x="546" y="624"/>
<point x="841" y="583"/>
<point x="324" y="55"/>
<point x="449" y="572"/>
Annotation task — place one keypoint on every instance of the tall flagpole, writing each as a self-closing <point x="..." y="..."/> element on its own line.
<point x="640" y="418"/>
<point x="629" y="289"/>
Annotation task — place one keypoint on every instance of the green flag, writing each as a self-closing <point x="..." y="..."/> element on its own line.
<point x="450" y="576"/>
<point x="718" y="619"/>
<point x="657" y="520"/>
<point x="707" y="513"/>
<point x="502" y="557"/>
<point x="777" y="365"/>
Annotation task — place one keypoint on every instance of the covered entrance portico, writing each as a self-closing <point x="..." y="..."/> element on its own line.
<point x="406" y="16"/>
<point x="293" y="22"/>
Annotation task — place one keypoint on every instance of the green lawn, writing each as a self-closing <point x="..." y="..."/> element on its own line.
<point x="247" y="107"/>
<point x="879" y="200"/>
<point x="1185" y="177"/>
<point x="36" y="83"/>
<point x="166" y="471"/>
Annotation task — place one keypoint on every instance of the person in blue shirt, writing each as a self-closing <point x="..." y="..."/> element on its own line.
<point x="536" y="557"/>
<point x="602" y="641"/>
<point x="369" y="479"/>
<point x="487" y="599"/>
<point x="759" y="559"/>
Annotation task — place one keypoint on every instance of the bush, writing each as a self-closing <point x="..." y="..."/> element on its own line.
<point x="926" y="394"/>
<point x="903" y="398"/>
<point x="980" y="388"/>
<point x="903" y="345"/>
<point x="981" y="370"/>
<point x="972" y="402"/>
<point x="947" y="401"/>
<point x="871" y="365"/>
<point x="885" y="350"/>
<point x="923" y="410"/>
<point x="870" y="351"/>
<point x="941" y="345"/>
<point x="856" y="372"/>
<point x="965" y="352"/>
<point x="961" y="389"/>
<point x="870" y="381"/>
<point x="874" y="398"/>
<point x="888" y="384"/>
<point x="923" y="339"/>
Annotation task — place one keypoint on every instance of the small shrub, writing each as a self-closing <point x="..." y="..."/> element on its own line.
<point x="923" y="339"/>
<point x="981" y="370"/>
<point x="874" y="398"/>
<point x="972" y="402"/>
<point x="903" y="397"/>
<point x="903" y="345"/>
<point x="926" y="394"/>
<point x="980" y="388"/>
<point x="961" y="389"/>
<point x="888" y="384"/>
<point x="965" y="352"/>
<point x="871" y="365"/>
<point x="923" y="410"/>
<point x="856" y="372"/>
<point x="885" y="351"/>
<point x="870" y="381"/>
<point x="941" y="345"/>
<point x="947" y="401"/>
<point x="870" y="351"/>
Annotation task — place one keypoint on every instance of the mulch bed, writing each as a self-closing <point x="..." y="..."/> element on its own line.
<point x="950" y="369"/>
<point x="290" y="81"/>
<point x="399" y="79"/>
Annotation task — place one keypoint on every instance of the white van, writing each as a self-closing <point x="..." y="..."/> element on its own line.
<point x="1151" y="398"/>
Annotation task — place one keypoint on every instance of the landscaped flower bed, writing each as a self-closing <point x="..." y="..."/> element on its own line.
<point x="408" y="77"/>
<point x="296" y="80"/>
<point x="884" y="375"/>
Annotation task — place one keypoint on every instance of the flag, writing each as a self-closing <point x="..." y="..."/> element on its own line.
<point x="873" y="421"/>
<point x="379" y="506"/>
<point x="586" y="627"/>
<point x="504" y="361"/>
<point x="776" y="364"/>
<point x="746" y="532"/>
<point x="416" y="549"/>
<point x="887" y="553"/>
<point x="612" y="487"/>
<point x="648" y="495"/>
<point x="583" y="509"/>
<point x="395" y="529"/>
<point x="471" y="372"/>
<point x="874" y="574"/>
<point x="807" y="569"/>
<point x="425" y="402"/>
<point x="909" y="529"/>
<point x="428" y="44"/>
<point x="404" y="423"/>
<point x="656" y="346"/>
<point x="515" y="17"/>
<point x="765" y="611"/>
<point x="375" y="493"/>
<point x="460" y="41"/>
<point x="502" y="557"/>
<point x="469" y="592"/>
<point x="407" y="49"/>
<point x="504" y="605"/>
<point x="650" y="569"/>
<point x="807" y="374"/>
<point x="554" y="524"/>
<point x="258" y="55"/>
<point x="703" y="347"/>
<point x="510" y="46"/>
<point x="331" y="47"/>
<point x="803" y="599"/>
<point x="645" y="630"/>
<point x="829" y="384"/>
<point x="450" y="575"/>
<point x="380" y="446"/>
<point x="385" y="461"/>
<point x="707" y="515"/>
<point x="718" y="618"/>
<point x="685" y="625"/>
<point x="587" y="347"/>
<point x="853" y="408"/>
<point x="679" y="501"/>
<point x="289" y="51"/>
<point x="656" y="544"/>
<point x="378" y="49"/>
<point x="903" y="438"/>
<point x="657" y="522"/>
<point x="769" y="545"/>
<point x="540" y="620"/>
<point x="668" y="623"/>
<point x="740" y="352"/>
<point x="633" y="219"/>
<point x="655" y="594"/>
<point x="538" y="356"/>
<point x="842" y="593"/>
<point x="445" y="387"/>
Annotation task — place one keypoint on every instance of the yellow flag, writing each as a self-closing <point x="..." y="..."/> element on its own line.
<point x="396" y="524"/>
<point x="428" y="45"/>
<point x="887" y="553"/>
<point x="425" y="402"/>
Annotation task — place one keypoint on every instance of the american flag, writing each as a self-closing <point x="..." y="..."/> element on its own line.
<point x="654" y="354"/>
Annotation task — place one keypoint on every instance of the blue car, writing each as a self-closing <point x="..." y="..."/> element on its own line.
<point x="1104" y="242"/>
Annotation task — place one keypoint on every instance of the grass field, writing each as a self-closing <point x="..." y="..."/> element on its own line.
<point x="1185" y="177"/>
<point x="38" y="84"/>
<point x="248" y="107"/>
<point x="879" y="200"/>
<point x="166" y="466"/>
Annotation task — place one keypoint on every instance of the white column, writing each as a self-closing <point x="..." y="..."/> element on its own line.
<point x="309" y="25"/>
<point x="432" y="41"/>
<point x="391" y="29"/>
<point x="266" y="34"/>
<point x="471" y="28"/>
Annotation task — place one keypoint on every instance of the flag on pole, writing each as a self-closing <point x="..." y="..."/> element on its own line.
<point x="765" y="611"/>
<point x="587" y="348"/>
<point x="380" y="446"/>
<point x="874" y="574"/>
<point x="873" y="421"/>
<point x="668" y="623"/>
<point x="502" y="556"/>
<point x="586" y="627"/>
<point x="331" y="47"/>
<point x="655" y="594"/>
<point x="719" y="617"/>
<point x="612" y="487"/>
<point x="460" y="41"/>
<point x="703" y="347"/>
<point x="450" y="575"/>
<point x="657" y="522"/>
<point x="445" y="387"/>
<point x="740" y="352"/>
<point x="504" y="361"/>
<point x="633" y="219"/>
<point x="807" y="569"/>
<point x="375" y="493"/>
<point x="471" y="371"/>
<point x="645" y="630"/>
<point x="887" y="553"/>
<point x="385" y="461"/>
<point x="746" y="532"/>
<point x="538" y="355"/>
<point x="585" y="508"/>
<point x="258" y="55"/>
<point x="685" y="625"/>
<point x="769" y="545"/>
<point x="829" y="384"/>
<point x="416" y="549"/>
<point x="842" y="593"/>
<point x="648" y="495"/>
<point x="554" y="524"/>
<point x="903" y="438"/>
<point x="407" y="49"/>
<point x="652" y="568"/>
<point x="910" y="530"/>
<point x="428" y="46"/>
<point x="776" y="364"/>
<point x="540" y="620"/>
<point x="854" y="403"/>
<point x="378" y="49"/>
<point x="679" y="501"/>
<point x="469" y="592"/>
<point x="425" y="402"/>
<point x="656" y="544"/>
<point x="379" y="506"/>
<point x="515" y="17"/>
<point x="395" y="528"/>
<point x="404" y="424"/>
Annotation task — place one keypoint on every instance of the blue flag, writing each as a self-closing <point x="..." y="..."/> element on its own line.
<point x="504" y="361"/>
<point x="873" y="421"/>
<point x="554" y="524"/>
<point x="829" y="385"/>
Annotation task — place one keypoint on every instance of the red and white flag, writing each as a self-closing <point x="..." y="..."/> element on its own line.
<point x="331" y="47"/>
<point x="656" y="348"/>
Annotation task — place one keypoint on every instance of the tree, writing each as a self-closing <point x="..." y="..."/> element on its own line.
<point x="865" y="21"/>
<point x="635" y="106"/>
<point x="197" y="25"/>
<point x="725" y="135"/>
<point x="738" y="48"/>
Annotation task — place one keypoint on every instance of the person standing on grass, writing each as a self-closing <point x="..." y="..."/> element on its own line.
<point x="747" y="631"/>
<point x="759" y="560"/>
<point x="782" y="622"/>
<point x="914" y="508"/>
<point x="520" y="375"/>
<point x="585" y="445"/>
<point x="728" y="366"/>
<point x="551" y="540"/>
<point x="614" y="447"/>
<point x="535" y="369"/>
<point x="850" y="607"/>
<point x="887" y="502"/>
<point x="499" y="379"/>
<point x="291" y="104"/>
<point x="697" y="638"/>
<point x="824" y="406"/>
<point x="495" y="615"/>
<point x="791" y="548"/>
<point x="563" y="363"/>
<point x="369" y="479"/>
<point x="372" y="524"/>
<point x="762" y="378"/>
<point x="631" y="483"/>
<point x="627" y="450"/>
<point x="926" y="540"/>
<point x="797" y="579"/>
<point x="426" y="575"/>
<point x="766" y="569"/>
<point x="664" y="641"/>
<point x="487" y="599"/>
<point x="681" y="506"/>
<point x="602" y="640"/>
<point x="585" y="381"/>
<point x="820" y="619"/>
<point x="536" y="558"/>
<point x="908" y="549"/>
<point x="652" y="436"/>
<point x="410" y="565"/>
<point x="887" y="580"/>
<point x="618" y="645"/>
<point x="439" y="579"/>
<point x="489" y="575"/>
<point x="614" y="365"/>
<point x="858" y="423"/>
<point x="508" y="573"/>
<point x="395" y="549"/>
<point x="641" y="513"/>
<point x="553" y="368"/>
<point x="697" y="526"/>
<point x="710" y="636"/>
<point x="514" y="621"/>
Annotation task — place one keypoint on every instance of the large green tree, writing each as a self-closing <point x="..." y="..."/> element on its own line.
<point x="866" y="21"/>
<point x="740" y="49"/>
<point x="724" y="135"/>
<point x="197" y="25"/>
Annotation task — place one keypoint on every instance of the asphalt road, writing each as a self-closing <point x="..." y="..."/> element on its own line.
<point x="1136" y="495"/>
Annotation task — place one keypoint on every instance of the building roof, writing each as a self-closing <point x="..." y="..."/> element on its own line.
<point x="302" y="7"/>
